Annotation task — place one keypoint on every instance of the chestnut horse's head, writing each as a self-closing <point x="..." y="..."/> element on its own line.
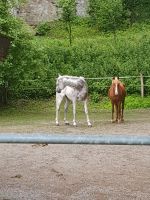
<point x="117" y="89"/>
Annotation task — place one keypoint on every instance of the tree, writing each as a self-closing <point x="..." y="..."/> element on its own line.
<point x="11" y="26"/>
<point x="106" y="14"/>
<point x="12" y="31"/>
<point x="68" y="14"/>
<point x="131" y="9"/>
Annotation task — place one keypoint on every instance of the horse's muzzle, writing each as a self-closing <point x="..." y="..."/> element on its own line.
<point x="58" y="90"/>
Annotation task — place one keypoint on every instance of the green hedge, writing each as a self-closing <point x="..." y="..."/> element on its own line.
<point x="33" y="65"/>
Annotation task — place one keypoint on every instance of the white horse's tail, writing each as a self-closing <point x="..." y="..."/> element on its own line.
<point x="83" y="94"/>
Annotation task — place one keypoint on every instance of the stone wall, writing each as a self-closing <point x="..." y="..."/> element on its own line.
<point x="36" y="11"/>
<point x="82" y="6"/>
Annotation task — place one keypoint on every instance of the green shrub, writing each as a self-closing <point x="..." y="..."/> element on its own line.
<point x="107" y="15"/>
<point x="137" y="102"/>
<point x="43" y="29"/>
<point x="42" y="59"/>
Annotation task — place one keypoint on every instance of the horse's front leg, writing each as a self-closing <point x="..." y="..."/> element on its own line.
<point x="59" y="98"/>
<point x="119" y="112"/>
<point x="74" y="113"/>
<point x="112" y="118"/>
<point x="116" y="108"/>
<point x="65" y="111"/>
<point x="86" y="113"/>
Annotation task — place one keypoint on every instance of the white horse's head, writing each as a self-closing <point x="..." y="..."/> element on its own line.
<point x="59" y="84"/>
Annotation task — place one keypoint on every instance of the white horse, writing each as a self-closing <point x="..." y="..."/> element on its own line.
<point x="72" y="88"/>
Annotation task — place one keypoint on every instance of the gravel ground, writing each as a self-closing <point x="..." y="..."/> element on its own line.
<point x="77" y="172"/>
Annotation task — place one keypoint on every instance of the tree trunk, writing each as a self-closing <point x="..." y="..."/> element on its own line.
<point x="4" y="46"/>
<point x="4" y="94"/>
<point x="70" y="33"/>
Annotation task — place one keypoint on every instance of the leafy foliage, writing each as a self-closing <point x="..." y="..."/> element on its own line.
<point x="110" y="15"/>
<point x="19" y="34"/>
<point x="43" y="29"/>
<point x="107" y="15"/>
<point x="11" y="26"/>
<point x="34" y="63"/>
<point x="42" y="59"/>
<point x="136" y="10"/>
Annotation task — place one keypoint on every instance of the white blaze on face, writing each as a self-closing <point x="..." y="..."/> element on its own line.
<point x="116" y="89"/>
<point x="116" y="86"/>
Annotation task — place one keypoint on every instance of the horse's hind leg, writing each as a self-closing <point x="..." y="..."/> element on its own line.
<point x="74" y="113"/>
<point x="65" y="111"/>
<point x="122" y="111"/>
<point x="86" y="113"/>
<point x="59" y="98"/>
<point x="112" y="118"/>
<point x="119" y="112"/>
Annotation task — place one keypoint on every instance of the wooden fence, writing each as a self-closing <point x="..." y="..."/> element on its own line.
<point x="4" y="89"/>
<point x="140" y="77"/>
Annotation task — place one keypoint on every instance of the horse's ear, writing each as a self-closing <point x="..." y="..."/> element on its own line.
<point x="113" y="77"/>
<point x="59" y="75"/>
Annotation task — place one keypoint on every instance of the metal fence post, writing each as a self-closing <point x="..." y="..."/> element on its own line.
<point x="142" y="85"/>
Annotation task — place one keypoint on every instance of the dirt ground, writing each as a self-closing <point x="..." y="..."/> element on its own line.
<point x="77" y="172"/>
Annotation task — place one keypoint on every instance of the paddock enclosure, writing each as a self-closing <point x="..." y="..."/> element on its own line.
<point x="77" y="172"/>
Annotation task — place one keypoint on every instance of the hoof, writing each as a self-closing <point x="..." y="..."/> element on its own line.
<point x="89" y="125"/>
<point x="113" y="121"/>
<point x="67" y="123"/>
<point x="120" y="121"/>
<point x="74" y="124"/>
<point x="57" y="124"/>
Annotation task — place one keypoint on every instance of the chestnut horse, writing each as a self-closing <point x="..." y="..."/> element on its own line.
<point x="117" y="94"/>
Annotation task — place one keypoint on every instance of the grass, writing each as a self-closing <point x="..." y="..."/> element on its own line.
<point x="83" y="31"/>
<point x="131" y="102"/>
<point x="28" y="111"/>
